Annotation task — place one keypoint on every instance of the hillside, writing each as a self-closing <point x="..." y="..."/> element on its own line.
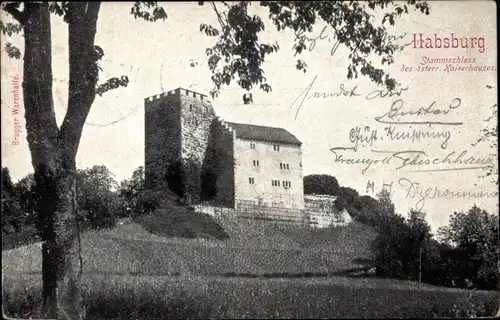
<point x="180" y="242"/>
<point x="178" y="264"/>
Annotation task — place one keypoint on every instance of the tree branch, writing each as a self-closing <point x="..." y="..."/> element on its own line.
<point x="13" y="9"/>
<point x="41" y="124"/>
<point x="82" y="24"/>
<point x="218" y="15"/>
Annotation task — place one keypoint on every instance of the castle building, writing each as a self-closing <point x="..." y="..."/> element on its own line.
<point x="203" y="157"/>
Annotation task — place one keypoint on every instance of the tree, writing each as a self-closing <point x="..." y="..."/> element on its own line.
<point x="385" y="210"/>
<point x="25" y="189"/>
<point x="346" y="199"/>
<point x="96" y="199"/>
<point x="237" y="53"/>
<point x="321" y="184"/>
<point x="365" y="207"/>
<point x="11" y="212"/>
<point x="402" y="246"/>
<point x="420" y="233"/>
<point x="473" y="239"/>
<point x="132" y="191"/>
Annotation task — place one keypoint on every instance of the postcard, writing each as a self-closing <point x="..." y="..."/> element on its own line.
<point x="249" y="159"/>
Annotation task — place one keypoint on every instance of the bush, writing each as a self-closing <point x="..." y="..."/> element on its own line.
<point x="321" y="184"/>
<point x="97" y="202"/>
<point x="12" y="216"/>
<point x="99" y="211"/>
<point x="472" y="239"/>
<point x="148" y="201"/>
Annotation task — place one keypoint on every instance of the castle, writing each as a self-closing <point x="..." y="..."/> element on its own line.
<point x="202" y="157"/>
<point x="241" y="170"/>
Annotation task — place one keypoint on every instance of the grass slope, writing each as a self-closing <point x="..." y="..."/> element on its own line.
<point x="180" y="264"/>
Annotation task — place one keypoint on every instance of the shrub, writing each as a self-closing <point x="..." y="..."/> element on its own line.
<point x="321" y="184"/>
<point x="96" y="200"/>
<point x="472" y="239"/>
<point x="12" y="217"/>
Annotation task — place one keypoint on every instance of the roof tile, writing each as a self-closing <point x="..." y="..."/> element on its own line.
<point x="262" y="133"/>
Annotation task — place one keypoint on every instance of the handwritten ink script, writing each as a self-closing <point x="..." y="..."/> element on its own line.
<point x="341" y="92"/>
<point x="416" y="160"/>
<point x="328" y="34"/>
<point x="402" y="122"/>
<point x="419" y="192"/>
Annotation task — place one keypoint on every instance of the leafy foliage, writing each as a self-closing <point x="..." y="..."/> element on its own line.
<point x="467" y="256"/>
<point x="148" y="10"/>
<point x="403" y="244"/>
<point x="112" y="83"/>
<point x="12" y="218"/>
<point x="346" y="198"/>
<point x="140" y="200"/>
<point x="472" y="239"/>
<point x="26" y="192"/>
<point x="209" y="30"/>
<point x="321" y="184"/>
<point x="132" y="190"/>
<point x="238" y="51"/>
<point x="96" y="199"/>
<point x="9" y="29"/>
<point x="12" y="51"/>
<point x="365" y="206"/>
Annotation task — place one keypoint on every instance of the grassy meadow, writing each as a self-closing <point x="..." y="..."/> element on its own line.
<point x="179" y="264"/>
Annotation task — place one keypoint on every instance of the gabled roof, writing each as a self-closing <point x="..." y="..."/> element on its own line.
<point x="262" y="133"/>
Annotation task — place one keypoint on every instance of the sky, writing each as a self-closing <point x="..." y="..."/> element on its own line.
<point x="157" y="56"/>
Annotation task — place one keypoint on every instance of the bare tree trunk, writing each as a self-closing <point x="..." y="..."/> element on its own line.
<point x="53" y="151"/>
<point x="54" y="173"/>
<point x="61" y="256"/>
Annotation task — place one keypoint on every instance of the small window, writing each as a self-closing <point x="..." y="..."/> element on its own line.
<point x="256" y="163"/>
<point x="276" y="147"/>
<point x="252" y="145"/>
<point x="190" y="107"/>
<point x="196" y="122"/>
<point x="281" y="165"/>
<point x="251" y="180"/>
<point x="288" y="166"/>
<point x="278" y="183"/>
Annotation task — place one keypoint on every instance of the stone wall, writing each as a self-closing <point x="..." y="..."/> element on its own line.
<point x="177" y="125"/>
<point x="321" y="211"/>
<point x="162" y="135"/>
<point x="267" y="170"/>
<point x="317" y="213"/>
<point x="219" y="163"/>
<point x="215" y="211"/>
<point x="196" y="115"/>
<point x="252" y="209"/>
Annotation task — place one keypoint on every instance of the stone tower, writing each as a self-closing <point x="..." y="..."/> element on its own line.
<point x="177" y="128"/>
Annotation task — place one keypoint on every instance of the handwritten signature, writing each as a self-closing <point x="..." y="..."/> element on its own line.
<point x="326" y="35"/>
<point x="415" y="160"/>
<point x="416" y="190"/>
<point x="414" y="134"/>
<point x="342" y="92"/>
<point x="302" y="39"/>
<point x="396" y="112"/>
